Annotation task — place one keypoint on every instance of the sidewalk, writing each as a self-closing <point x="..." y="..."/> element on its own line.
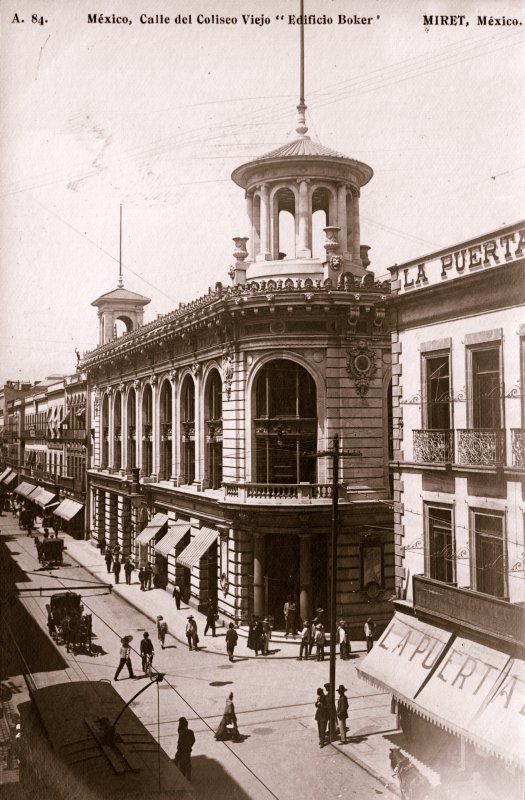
<point x="370" y="721"/>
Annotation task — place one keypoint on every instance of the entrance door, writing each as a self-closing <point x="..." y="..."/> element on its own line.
<point x="282" y="574"/>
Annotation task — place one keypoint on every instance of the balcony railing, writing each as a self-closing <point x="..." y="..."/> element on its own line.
<point x="481" y="447"/>
<point x="434" y="446"/>
<point x="518" y="447"/>
<point x="480" y="612"/>
<point x="147" y="431"/>
<point x="73" y="434"/>
<point x="131" y="431"/>
<point x="214" y="433"/>
<point x="281" y="492"/>
<point x="166" y="430"/>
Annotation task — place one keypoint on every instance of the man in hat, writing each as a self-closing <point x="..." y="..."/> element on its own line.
<point x="305" y="641"/>
<point x="185" y="743"/>
<point x="162" y="629"/>
<point x="191" y="633"/>
<point x="342" y="712"/>
<point x="370" y="630"/>
<point x="231" y="640"/>
<point x="320" y="639"/>
<point x="125" y="657"/>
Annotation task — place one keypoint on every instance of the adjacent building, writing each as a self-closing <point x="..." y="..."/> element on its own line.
<point x="209" y="423"/>
<point x="453" y="655"/>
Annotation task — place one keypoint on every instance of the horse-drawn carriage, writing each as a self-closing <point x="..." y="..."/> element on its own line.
<point x="50" y="551"/>
<point x="67" y="622"/>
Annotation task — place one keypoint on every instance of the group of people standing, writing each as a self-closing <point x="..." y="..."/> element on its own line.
<point x="259" y="635"/>
<point x="323" y="713"/>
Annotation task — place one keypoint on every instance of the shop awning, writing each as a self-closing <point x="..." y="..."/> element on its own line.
<point x="10" y="478"/>
<point x="42" y="497"/>
<point x="152" y="528"/>
<point x="403" y="658"/>
<point x="200" y="543"/>
<point x="5" y="473"/>
<point x="176" y="532"/>
<point x="68" y="509"/>
<point x="500" y="719"/>
<point x="24" y="489"/>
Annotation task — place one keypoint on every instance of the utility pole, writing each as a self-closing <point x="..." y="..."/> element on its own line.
<point x="335" y="454"/>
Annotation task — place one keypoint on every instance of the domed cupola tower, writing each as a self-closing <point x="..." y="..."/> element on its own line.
<point x="301" y="178"/>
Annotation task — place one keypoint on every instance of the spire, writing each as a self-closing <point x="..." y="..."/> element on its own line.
<point x="120" y="279"/>
<point x="302" y="128"/>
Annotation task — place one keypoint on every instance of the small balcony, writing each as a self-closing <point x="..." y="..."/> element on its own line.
<point x="214" y="432"/>
<point x="481" y="447"/>
<point x="147" y="431"/>
<point x="166" y="430"/>
<point x="474" y="610"/>
<point x="434" y="446"/>
<point x="73" y="434"/>
<point x="188" y="431"/>
<point x="518" y="447"/>
<point x="131" y="432"/>
<point x="276" y="493"/>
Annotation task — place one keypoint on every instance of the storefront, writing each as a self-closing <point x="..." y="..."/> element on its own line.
<point x="69" y="517"/>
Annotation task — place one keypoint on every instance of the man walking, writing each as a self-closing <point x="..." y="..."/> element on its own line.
<point x="148" y="574"/>
<point x="191" y="633"/>
<point x="342" y="713"/>
<point x="231" y="640"/>
<point x="319" y="642"/>
<point x="321" y="716"/>
<point x="125" y="657"/>
<point x="177" y="595"/>
<point x="162" y="629"/>
<point x="305" y="641"/>
<point x="211" y="616"/>
<point x="116" y="570"/>
<point x="128" y="569"/>
<point x="185" y="744"/>
<point x="370" y="630"/>
<point x="289" y="617"/>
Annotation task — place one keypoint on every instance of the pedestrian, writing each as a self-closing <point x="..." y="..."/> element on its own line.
<point x="185" y="743"/>
<point x="128" y="569"/>
<point x="116" y="552"/>
<point x="148" y="573"/>
<point x="317" y="620"/>
<point x="231" y="640"/>
<point x="342" y="713"/>
<point x="108" y="555"/>
<point x="56" y="526"/>
<point x="305" y="641"/>
<point x="320" y="640"/>
<point x="321" y="716"/>
<point x="266" y="636"/>
<point x="228" y="725"/>
<point x="142" y="579"/>
<point x="255" y="635"/>
<point x="289" y="617"/>
<point x="146" y="652"/>
<point x="333" y="709"/>
<point x="162" y="630"/>
<point x="370" y="630"/>
<point x="211" y="616"/>
<point x="177" y="595"/>
<point x="116" y="570"/>
<point x="342" y="639"/>
<point x="125" y="657"/>
<point x="191" y="633"/>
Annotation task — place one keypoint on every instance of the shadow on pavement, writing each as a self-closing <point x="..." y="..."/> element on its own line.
<point x="212" y="782"/>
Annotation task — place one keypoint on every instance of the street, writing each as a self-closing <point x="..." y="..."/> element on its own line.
<point x="274" y="698"/>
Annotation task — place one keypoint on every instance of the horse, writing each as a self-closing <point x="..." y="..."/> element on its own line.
<point x="413" y="784"/>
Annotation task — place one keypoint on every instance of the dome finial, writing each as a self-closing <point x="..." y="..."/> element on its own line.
<point x="120" y="279"/>
<point x="302" y="128"/>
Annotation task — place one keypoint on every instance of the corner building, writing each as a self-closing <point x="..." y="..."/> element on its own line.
<point x="206" y="422"/>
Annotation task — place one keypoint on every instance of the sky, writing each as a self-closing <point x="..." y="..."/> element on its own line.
<point x="156" y="116"/>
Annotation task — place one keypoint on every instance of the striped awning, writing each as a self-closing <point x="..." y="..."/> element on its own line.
<point x="176" y="532"/>
<point x="24" y="489"/>
<point x="10" y="478"/>
<point x="7" y="476"/>
<point x="5" y="473"/>
<point x="152" y="528"/>
<point x="67" y="509"/>
<point x="42" y="497"/>
<point x="200" y="543"/>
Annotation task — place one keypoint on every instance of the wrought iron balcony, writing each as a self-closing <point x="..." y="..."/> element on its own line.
<point x="477" y="447"/>
<point x="434" y="446"/>
<point x="518" y="447"/>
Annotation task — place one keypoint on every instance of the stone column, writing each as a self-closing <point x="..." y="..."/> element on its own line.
<point x="305" y="575"/>
<point x="356" y="234"/>
<point x="138" y="424"/>
<point x="155" y="428"/>
<point x="123" y="430"/>
<point x="265" y="223"/>
<point x="175" y="431"/>
<point x="341" y="218"/>
<point x="258" y="574"/>
<point x="249" y="211"/>
<point x="111" y="429"/>
<point x="303" y="215"/>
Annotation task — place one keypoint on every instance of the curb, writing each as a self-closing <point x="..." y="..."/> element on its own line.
<point x="392" y="787"/>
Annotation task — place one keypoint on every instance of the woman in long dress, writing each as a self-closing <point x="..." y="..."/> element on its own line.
<point x="228" y="725"/>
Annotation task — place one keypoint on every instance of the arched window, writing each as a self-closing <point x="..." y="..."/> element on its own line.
<point x="214" y="430"/>
<point x="187" y="416"/>
<point x="285" y="424"/>
<point x="166" y="429"/>
<point x="105" y="431"/>
<point x="132" y="421"/>
<point x="117" y="431"/>
<point x="147" y="430"/>
<point x="320" y="219"/>
<point x="284" y="231"/>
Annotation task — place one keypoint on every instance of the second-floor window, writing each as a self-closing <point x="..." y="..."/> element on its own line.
<point x="440" y="555"/>
<point x="437" y="392"/>
<point x="486" y="388"/>
<point x="188" y="430"/>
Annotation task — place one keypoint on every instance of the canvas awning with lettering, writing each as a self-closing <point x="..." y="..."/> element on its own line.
<point x="152" y="528"/>
<point x="405" y="655"/>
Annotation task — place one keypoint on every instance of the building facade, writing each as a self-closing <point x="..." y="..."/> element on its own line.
<point x="458" y="352"/>
<point x="208" y="422"/>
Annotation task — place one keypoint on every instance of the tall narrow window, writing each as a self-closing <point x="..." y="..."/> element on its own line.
<point x="440" y="544"/>
<point x="117" y="432"/>
<point x="132" y="433"/>
<point x="486" y="388"/>
<point x="489" y="553"/>
<point x="166" y="431"/>
<point x="147" y="430"/>
<point x="214" y="430"/>
<point x="285" y="424"/>
<point x="105" y="431"/>
<point x="188" y="429"/>
<point x="437" y="388"/>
